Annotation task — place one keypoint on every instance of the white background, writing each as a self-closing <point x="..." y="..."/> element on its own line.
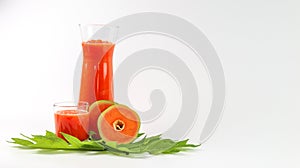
<point x="257" y="42"/>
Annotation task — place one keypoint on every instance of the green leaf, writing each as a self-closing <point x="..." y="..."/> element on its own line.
<point x="152" y="139"/>
<point x="141" y="146"/>
<point x="50" y="134"/>
<point x="192" y="145"/>
<point x="160" y="146"/>
<point x="179" y="146"/>
<point x="124" y="149"/>
<point x="181" y="143"/>
<point x="22" y="142"/>
<point x="75" y="142"/>
<point x="49" y="142"/>
<point x="92" y="145"/>
<point x="111" y="144"/>
<point x="153" y="145"/>
<point x="139" y="135"/>
<point x="113" y="147"/>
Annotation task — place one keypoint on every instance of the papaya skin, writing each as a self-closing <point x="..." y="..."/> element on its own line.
<point x="118" y="123"/>
<point x="95" y="111"/>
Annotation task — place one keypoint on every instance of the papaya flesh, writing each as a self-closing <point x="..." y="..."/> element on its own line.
<point x="95" y="111"/>
<point x="119" y="123"/>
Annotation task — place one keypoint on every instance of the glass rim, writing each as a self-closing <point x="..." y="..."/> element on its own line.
<point x="70" y="104"/>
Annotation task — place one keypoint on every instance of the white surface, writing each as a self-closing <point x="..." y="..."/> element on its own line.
<point x="257" y="42"/>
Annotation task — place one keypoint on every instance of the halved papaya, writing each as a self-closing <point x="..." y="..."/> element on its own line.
<point x="119" y="123"/>
<point x="95" y="110"/>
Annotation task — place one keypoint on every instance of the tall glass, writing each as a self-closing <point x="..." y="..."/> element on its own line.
<point x="97" y="69"/>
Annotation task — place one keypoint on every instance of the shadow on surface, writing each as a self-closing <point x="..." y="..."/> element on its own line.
<point x="82" y="152"/>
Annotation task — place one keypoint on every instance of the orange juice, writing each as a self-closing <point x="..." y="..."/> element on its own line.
<point x="97" y="71"/>
<point x="72" y="122"/>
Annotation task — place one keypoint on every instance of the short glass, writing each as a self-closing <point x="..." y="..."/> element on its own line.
<point x="72" y="118"/>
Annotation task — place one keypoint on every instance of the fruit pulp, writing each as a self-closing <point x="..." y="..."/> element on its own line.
<point x="118" y="123"/>
<point x="95" y="111"/>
